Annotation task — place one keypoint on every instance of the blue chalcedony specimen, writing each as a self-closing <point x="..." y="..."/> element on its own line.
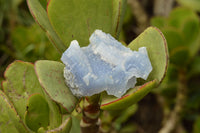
<point x="104" y="65"/>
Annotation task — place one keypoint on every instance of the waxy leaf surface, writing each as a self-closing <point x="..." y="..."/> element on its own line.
<point x="50" y="75"/>
<point x="40" y="16"/>
<point x="77" y="19"/>
<point x="21" y="82"/>
<point x="9" y="120"/>
<point x="37" y="113"/>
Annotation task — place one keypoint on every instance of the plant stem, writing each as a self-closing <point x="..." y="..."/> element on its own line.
<point x="91" y="110"/>
<point x="174" y="116"/>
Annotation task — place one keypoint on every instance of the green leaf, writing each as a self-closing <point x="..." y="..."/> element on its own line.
<point x="174" y="37"/>
<point x="192" y="4"/>
<point x="37" y="113"/>
<point x="21" y="82"/>
<point x="40" y="16"/>
<point x="9" y="119"/>
<point x="27" y="44"/>
<point x="75" y="125"/>
<point x="50" y="75"/>
<point x="77" y="19"/>
<point x="132" y="97"/>
<point x="178" y="16"/>
<point x="181" y="29"/>
<point x="153" y="39"/>
<point x="191" y="30"/>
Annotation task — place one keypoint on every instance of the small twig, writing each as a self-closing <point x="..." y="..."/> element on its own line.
<point x="174" y="116"/>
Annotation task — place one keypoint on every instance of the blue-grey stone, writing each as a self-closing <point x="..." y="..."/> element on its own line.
<point x="104" y="65"/>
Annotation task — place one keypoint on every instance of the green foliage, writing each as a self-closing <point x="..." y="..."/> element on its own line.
<point x="182" y="31"/>
<point x="40" y="15"/>
<point x="50" y="75"/>
<point x="192" y="4"/>
<point x="9" y="119"/>
<point x="86" y="17"/>
<point x="37" y="112"/>
<point x="29" y="41"/>
<point x="39" y="93"/>
<point x="21" y="82"/>
<point x="75" y="125"/>
<point x="107" y="16"/>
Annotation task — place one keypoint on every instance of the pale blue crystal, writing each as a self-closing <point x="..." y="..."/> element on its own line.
<point x="104" y="65"/>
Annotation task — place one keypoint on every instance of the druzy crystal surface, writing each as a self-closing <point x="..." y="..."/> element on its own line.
<point x="104" y="65"/>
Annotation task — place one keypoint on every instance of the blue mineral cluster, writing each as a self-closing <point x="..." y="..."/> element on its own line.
<point x="104" y="65"/>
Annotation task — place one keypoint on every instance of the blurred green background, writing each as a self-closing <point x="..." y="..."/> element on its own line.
<point x="179" y="20"/>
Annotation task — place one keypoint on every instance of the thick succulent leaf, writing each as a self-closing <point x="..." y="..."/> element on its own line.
<point x="65" y="127"/>
<point x="77" y="19"/>
<point x="174" y="37"/>
<point x="54" y="114"/>
<point x="119" y="8"/>
<point x="21" y="82"/>
<point x="192" y="4"/>
<point x="153" y="39"/>
<point x="9" y="119"/>
<point x="37" y="113"/>
<point x="179" y="15"/>
<point x="182" y="28"/>
<point x="191" y="30"/>
<point x="50" y="75"/>
<point x="133" y="96"/>
<point x="75" y="125"/>
<point x="40" y="16"/>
